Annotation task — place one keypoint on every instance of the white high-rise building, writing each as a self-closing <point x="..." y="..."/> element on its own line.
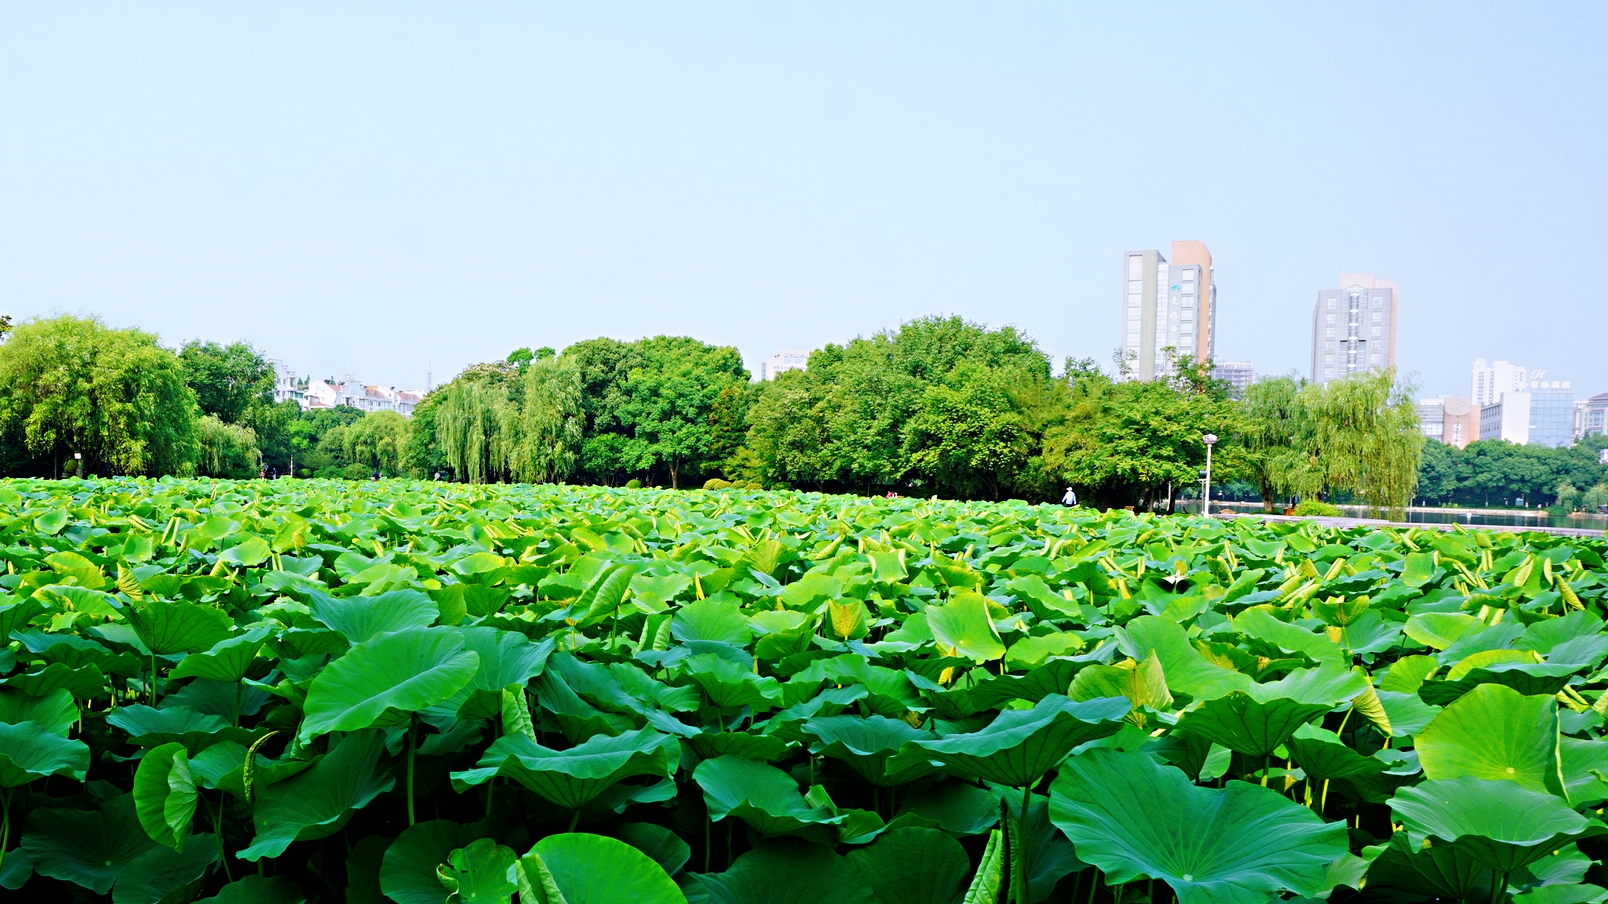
<point x="1491" y="380"/>
<point x="782" y="361"/>
<point x="1168" y="309"/>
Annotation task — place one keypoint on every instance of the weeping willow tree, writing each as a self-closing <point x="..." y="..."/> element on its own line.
<point x="1359" y="434"/>
<point x="548" y="428"/>
<point x="474" y="421"/>
<point x="1365" y="434"/>
<point x="1276" y="429"/>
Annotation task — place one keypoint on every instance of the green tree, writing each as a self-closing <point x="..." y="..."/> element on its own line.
<point x="670" y="397"/>
<point x="547" y="443"/>
<point x="377" y="442"/>
<point x="229" y="381"/>
<point x="1275" y="428"/>
<point x="473" y="424"/>
<point x="1131" y="442"/>
<point x="70" y="384"/>
<point x="225" y="450"/>
<point x="1365" y="437"/>
<point x="424" y="457"/>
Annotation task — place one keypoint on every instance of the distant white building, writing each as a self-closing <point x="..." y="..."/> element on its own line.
<point x="1491" y="380"/>
<point x="782" y="361"/>
<point x="318" y="394"/>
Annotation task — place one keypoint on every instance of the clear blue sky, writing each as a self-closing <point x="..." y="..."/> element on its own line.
<point x="371" y="187"/>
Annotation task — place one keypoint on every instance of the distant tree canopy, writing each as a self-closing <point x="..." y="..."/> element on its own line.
<point x="939" y="406"/>
<point x="72" y="385"/>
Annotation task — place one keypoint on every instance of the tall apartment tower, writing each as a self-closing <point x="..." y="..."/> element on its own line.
<point x="1354" y="328"/>
<point x="1167" y="309"/>
<point x="1491" y="380"/>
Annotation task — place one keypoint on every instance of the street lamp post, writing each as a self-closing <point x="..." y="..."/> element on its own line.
<point x="1210" y="440"/>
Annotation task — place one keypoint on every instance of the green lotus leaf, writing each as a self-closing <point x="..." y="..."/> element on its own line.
<point x="711" y="619"/>
<point x="1053" y="677"/>
<point x="56" y="711"/>
<point x="383" y="679"/>
<point x="958" y="809"/>
<point x="506" y="659"/>
<point x="664" y="846"/>
<point x="1020" y="746"/>
<point x="1143" y="683"/>
<point x="964" y="627"/>
<point x="31" y="751"/>
<point x="1185" y="669"/>
<point x="1256" y="720"/>
<point x="759" y="794"/>
<point x="578" y="868"/>
<point x="765" y="748"/>
<point x="1132" y="817"/>
<point x="1433" y="871"/>
<point x="162" y="874"/>
<point x="1585" y="770"/>
<point x="90" y="848"/>
<point x="479" y="873"/>
<point x="866" y="744"/>
<point x="1046" y="853"/>
<point x="780" y="872"/>
<point x="150" y="727"/>
<point x="1501" y="823"/>
<point x="258" y="890"/>
<point x="1495" y="732"/>
<point x="989" y="881"/>
<point x="228" y="660"/>
<point x="914" y="866"/>
<point x="318" y="802"/>
<point x="84" y="682"/>
<point x="251" y="551"/>
<point x="603" y="598"/>
<point x="572" y="778"/>
<point x="362" y="618"/>
<point x="1323" y="756"/>
<point x="1418" y="568"/>
<point x="168" y="628"/>
<point x="728" y="684"/>
<point x="408" y="871"/>
<point x="1260" y="623"/>
<point x="164" y="795"/>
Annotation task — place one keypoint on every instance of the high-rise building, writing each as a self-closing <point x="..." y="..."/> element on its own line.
<point x="1168" y="309"/>
<point x="1238" y="375"/>
<point x="1491" y="380"/>
<point x="1354" y="328"/>
<point x="782" y="361"/>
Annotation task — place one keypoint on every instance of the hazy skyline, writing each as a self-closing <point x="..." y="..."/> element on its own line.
<point x="374" y="188"/>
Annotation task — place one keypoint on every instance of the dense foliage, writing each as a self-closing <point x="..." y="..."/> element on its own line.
<point x="421" y="692"/>
<point x="1493" y="472"/>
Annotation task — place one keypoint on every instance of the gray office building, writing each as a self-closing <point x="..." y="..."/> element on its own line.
<point x="1354" y="328"/>
<point x="1168" y="309"/>
<point x="1552" y="404"/>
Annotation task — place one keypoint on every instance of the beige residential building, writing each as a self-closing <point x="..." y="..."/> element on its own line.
<point x="1168" y="309"/>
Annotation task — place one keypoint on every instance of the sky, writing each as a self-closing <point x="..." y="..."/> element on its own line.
<point x="399" y="190"/>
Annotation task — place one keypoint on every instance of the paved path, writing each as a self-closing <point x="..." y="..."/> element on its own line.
<point x="1376" y="522"/>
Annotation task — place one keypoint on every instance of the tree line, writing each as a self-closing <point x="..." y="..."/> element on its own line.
<point x="938" y="406"/>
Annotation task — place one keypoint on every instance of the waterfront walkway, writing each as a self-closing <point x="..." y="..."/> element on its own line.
<point x="1427" y="525"/>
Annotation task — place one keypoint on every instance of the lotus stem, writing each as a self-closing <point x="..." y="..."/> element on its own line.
<point x="5" y="824"/>
<point x="575" y="820"/>
<point x="1019" y="864"/>
<point x="413" y="730"/>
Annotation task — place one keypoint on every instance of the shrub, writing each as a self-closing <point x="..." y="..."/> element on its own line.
<point x="715" y="483"/>
<point x="1314" y="508"/>
<point x="633" y="484"/>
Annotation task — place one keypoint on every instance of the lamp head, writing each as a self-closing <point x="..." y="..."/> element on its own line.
<point x="1209" y="439"/>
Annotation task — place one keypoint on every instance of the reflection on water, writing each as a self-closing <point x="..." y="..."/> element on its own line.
<point x="1514" y="518"/>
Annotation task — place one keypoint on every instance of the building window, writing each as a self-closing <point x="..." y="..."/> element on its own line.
<point x="1379" y="302"/>
<point x="1378" y="331"/>
<point x="1331" y="317"/>
<point x="1379" y="316"/>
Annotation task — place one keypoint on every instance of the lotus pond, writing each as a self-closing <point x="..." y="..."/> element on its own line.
<point x="415" y="692"/>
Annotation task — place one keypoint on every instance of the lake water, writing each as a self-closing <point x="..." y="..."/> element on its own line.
<point x="1514" y="518"/>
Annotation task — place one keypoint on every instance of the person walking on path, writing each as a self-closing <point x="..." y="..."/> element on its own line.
<point x="1070" y="499"/>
